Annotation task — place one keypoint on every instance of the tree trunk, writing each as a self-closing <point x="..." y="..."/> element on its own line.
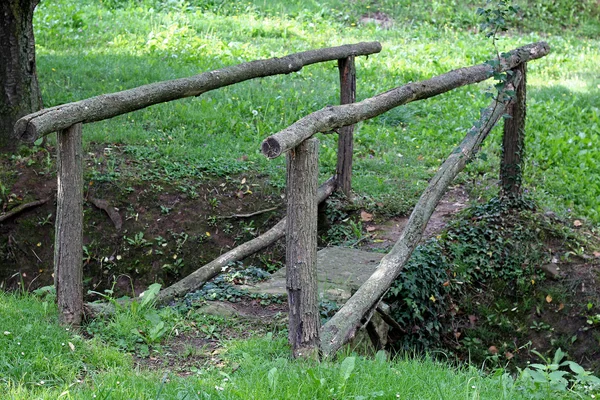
<point x="20" y="91"/>
<point x="68" y="245"/>
<point x="358" y="310"/>
<point x="513" y="142"/>
<point x="301" y="249"/>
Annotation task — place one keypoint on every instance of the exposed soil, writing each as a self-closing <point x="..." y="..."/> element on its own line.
<point x="194" y="348"/>
<point x="378" y="18"/>
<point x="563" y="321"/>
<point x="386" y="233"/>
<point x="170" y="229"/>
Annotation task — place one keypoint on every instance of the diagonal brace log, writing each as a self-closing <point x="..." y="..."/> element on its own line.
<point x="198" y="278"/>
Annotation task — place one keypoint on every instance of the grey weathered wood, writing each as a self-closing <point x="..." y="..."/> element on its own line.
<point x="342" y="327"/>
<point x="346" y="134"/>
<point x="68" y="242"/>
<point x="331" y="118"/>
<point x="513" y="141"/>
<point x="198" y="278"/>
<point x="301" y="249"/>
<point x="32" y="126"/>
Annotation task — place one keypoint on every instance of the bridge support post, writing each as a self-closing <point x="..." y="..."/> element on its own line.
<point x="301" y="249"/>
<point x="346" y="134"/>
<point x="513" y="141"/>
<point x="68" y="240"/>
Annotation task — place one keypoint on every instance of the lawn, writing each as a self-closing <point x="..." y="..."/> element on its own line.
<point x="88" y="48"/>
<point x="43" y="360"/>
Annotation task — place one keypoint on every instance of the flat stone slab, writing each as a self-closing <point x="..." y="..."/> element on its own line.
<point x="340" y="272"/>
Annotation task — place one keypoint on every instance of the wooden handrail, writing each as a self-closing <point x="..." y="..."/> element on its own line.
<point x="330" y="118"/>
<point x="30" y="127"/>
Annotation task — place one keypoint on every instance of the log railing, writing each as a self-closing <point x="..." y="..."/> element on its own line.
<point x="67" y="119"/>
<point x="304" y="335"/>
<point x="299" y="226"/>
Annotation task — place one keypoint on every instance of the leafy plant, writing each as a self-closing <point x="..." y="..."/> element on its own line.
<point x="491" y="248"/>
<point x="137" y="240"/>
<point x="135" y="325"/>
<point x="341" y="227"/>
<point x="552" y="377"/>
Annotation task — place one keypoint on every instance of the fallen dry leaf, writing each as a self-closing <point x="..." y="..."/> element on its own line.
<point x="597" y="254"/>
<point x="508" y="355"/>
<point x="493" y="349"/>
<point x="577" y="223"/>
<point x="457" y="334"/>
<point x="548" y="299"/>
<point x="561" y="306"/>
<point x="370" y="228"/>
<point x="366" y="217"/>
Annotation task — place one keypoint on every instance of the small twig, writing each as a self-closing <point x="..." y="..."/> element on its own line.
<point x="22" y="208"/>
<point x="36" y="256"/>
<point x="389" y="320"/>
<point x="361" y="239"/>
<point x="250" y="214"/>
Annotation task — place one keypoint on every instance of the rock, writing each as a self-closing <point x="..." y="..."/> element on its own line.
<point x="218" y="308"/>
<point x="340" y="272"/>
<point x="552" y="270"/>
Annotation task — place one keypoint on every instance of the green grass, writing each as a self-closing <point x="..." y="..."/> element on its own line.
<point x="37" y="362"/>
<point x="86" y="48"/>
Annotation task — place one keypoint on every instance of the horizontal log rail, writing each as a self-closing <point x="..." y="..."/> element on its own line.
<point x="32" y="126"/>
<point x="330" y="118"/>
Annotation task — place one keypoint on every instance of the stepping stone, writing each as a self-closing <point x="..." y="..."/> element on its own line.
<point x="340" y="272"/>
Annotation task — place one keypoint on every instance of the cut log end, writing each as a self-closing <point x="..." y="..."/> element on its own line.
<point x="271" y="147"/>
<point x="25" y="131"/>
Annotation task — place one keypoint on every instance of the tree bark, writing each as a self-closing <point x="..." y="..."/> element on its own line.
<point x="20" y="91"/>
<point x="301" y="249"/>
<point x="68" y="242"/>
<point x="358" y="310"/>
<point x="110" y="105"/>
<point x="346" y="134"/>
<point x="513" y="141"/>
<point x="198" y="278"/>
<point x="331" y="118"/>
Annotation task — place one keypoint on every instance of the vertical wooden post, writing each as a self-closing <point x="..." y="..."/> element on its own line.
<point x="346" y="133"/>
<point x="513" y="142"/>
<point x="301" y="249"/>
<point x="68" y="242"/>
